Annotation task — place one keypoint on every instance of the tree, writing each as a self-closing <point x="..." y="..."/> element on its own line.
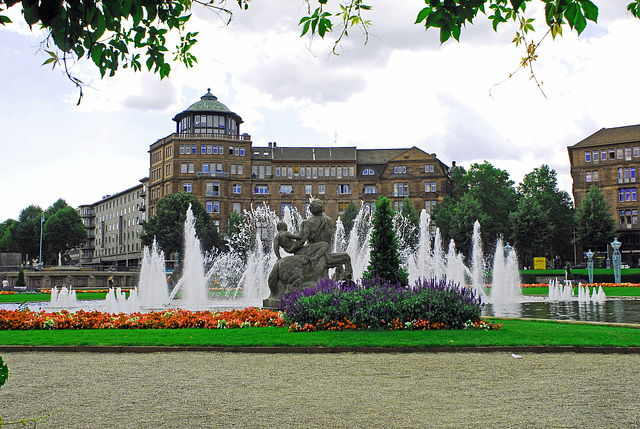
<point x="349" y="215"/>
<point x="594" y="224"/>
<point x="132" y="34"/>
<point x="27" y="233"/>
<point x="63" y="231"/>
<point x="531" y="230"/>
<point x="385" y="259"/>
<point x="542" y="186"/>
<point x="7" y="243"/>
<point x="20" y="280"/>
<point x="484" y="192"/>
<point x="167" y="226"/>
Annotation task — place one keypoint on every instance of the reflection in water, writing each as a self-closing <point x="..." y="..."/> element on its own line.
<point x="615" y="310"/>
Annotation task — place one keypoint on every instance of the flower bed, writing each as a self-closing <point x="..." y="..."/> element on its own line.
<point x="168" y="319"/>
<point x="376" y="304"/>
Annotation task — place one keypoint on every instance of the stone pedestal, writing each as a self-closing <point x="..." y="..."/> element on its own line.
<point x="271" y="304"/>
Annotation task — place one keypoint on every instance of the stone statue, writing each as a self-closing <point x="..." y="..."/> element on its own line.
<point x="311" y="257"/>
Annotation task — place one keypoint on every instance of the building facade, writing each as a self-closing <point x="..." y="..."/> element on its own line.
<point x="114" y="225"/>
<point x="209" y="157"/>
<point x="609" y="159"/>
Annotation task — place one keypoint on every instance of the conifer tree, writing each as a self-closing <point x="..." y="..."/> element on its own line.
<point x="385" y="259"/>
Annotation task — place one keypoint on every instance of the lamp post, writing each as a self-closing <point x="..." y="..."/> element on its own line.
<point x="590" y="265"/>
<point x="617" y="259"/>
<point x="40" y="257"/>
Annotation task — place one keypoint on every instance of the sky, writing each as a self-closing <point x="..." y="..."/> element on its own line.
<point x="400" y="89"/>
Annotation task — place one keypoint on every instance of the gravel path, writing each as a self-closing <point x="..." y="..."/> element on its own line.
<point x="351" y="390"/>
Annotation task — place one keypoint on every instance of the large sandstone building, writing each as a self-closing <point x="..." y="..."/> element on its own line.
<point x="211" y="158"/>
<point x="609" y="159"/>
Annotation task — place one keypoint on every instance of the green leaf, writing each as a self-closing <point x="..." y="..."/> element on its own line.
<point x="590" y="10"/>
<point x="422" y="15"/>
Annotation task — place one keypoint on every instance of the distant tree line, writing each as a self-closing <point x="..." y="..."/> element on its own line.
<point x="62" y="230"/>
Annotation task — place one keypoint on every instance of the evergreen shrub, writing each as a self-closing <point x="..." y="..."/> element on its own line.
<point x="377" y="303"/>
<point x="20" y="281"/>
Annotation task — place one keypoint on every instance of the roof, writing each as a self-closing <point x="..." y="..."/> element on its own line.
<point x="378" y="156"/>
<point x="310" y="154"/>
<point x="628" y="134"/>
<point x="208" y="103"/>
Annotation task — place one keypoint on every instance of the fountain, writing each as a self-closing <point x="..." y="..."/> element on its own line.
<point x="63" y="298"/>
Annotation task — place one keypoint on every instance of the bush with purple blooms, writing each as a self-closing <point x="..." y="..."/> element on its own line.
<point x="378" y="304"/>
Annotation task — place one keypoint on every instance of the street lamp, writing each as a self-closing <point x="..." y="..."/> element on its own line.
<point x="40" y="257"/>
<point x="590" y="265"/>
<point x="617" y="259"/>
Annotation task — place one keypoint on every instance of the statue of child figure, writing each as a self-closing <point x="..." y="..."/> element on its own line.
<point x="284" y="239"/>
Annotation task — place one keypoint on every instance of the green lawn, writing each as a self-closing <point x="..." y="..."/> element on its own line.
<point x="514" y="333"/>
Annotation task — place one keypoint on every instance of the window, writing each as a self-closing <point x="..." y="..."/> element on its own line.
<point x="209" y="149"/>
<point x="237" y="207"/>
<point x="429" y="206"/>
<point x="400" y="169"/>
<point x="344" y="189"/>
<point x="284" y="206"/>
<point x="307" y="189"/>
<point x="632" y="174"/>
<point x="181" y="149"/>
<point x="241" y="169"/>
<point x="290" y="170"/>
<point x="315" y="172"/>
<point x="230" y="150"/>
<point x="232" y="170"/>
<point x="595" y="155"/>
<point x="367" y="172"/>
<point x="241" y="153"/>
<point x="237" y="188"/>
<point x="603" y="155"/>
<point x="428" y="168"/>
<point x="321" y="189"/>
<point x="636" y="151"/>
<point x="371" y="207"/>
<point x="627" y="154"/>
<point x="342" y="207"/>
<point x="277" y="171"/>
<point x="183" y="167"/>
<point x="333" y="172"/>
<point x="430" y="186"/>
<point x="203" y="149"/>
<point x="370" y="189"/>
<point x="216" y="206"/>
<point x="309" y="172"/>
<point x="192" y="167"/>
<point x="186" y="187"/>
<point x="320" y="171"/>
<point x="215" y="149"/>
<point x="587" y="176"/>
<point x="401" y="189"/>
<point x="261" y="189"/>
<point x="587" y="157"/>
<point x="627" y="194"/>
<point x="619" y="153"/>
<point x="296" y="171"/>
<point x="205" y="167"/>
<point x="236" y="151"/>
<point x="286" y="189"/>
<point x="595" y="175"/>
<point x="326" y="171"/>
<point x="193" y="149"/>
<point x="345" y="171"/>
<point x="209" y="206"/>
<point x="339" y="171"/>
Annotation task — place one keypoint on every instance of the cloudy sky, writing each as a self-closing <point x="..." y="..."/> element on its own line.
<point x="401" y="89"/>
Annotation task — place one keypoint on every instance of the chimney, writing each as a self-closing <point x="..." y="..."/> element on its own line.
<point x="270" y="144"/>
<point x="274" y="144"/>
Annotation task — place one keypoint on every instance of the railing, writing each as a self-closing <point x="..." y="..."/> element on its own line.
<point x="212" y="193"/>
<point x="220" y="175"/>
<point x="244" y="137"/>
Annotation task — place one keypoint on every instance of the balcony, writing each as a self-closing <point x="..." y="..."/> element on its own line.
<point x="212" y="193"/>
<point x="220" y="175"/>
<point x="214" y="136"/>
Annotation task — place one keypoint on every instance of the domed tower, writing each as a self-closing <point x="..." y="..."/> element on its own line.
<point x="208" y="116"/>
<point x="207" y="157"/>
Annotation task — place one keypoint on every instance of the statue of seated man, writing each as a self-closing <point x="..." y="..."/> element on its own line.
<point x="284" y="239"/>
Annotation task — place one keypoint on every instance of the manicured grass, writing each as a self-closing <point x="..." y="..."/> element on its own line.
<point x="39" y="297"/>
<point x="514" y="333"/>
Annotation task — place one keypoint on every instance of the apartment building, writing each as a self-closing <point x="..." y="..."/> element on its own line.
<point x="209" y="157"/>
<point x="114" y="225"/>
<point x="610" y="159"/>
